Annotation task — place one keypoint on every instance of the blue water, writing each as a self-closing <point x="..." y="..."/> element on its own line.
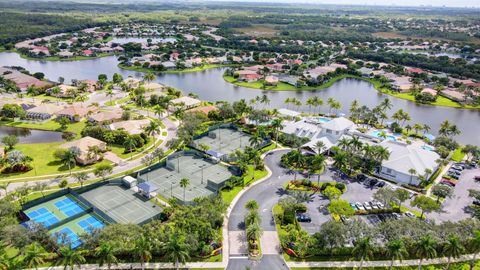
<point x="323" y="120"/>
<point x="376" y="133"/>
<point x="428" y="147"/>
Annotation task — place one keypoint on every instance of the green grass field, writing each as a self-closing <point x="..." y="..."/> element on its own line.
<point x="458" y="155"/>
<point x="61" y="59"/>
<point x="228" y="196"/>
<point x="193" y="69"/>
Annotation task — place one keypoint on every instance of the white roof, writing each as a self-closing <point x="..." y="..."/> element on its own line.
<point x="338" y="124"/>
<point x="404" y="157"/>
<point x="288" y="112"/>
<point x="301" y="128"/>
<point x="188" y="101"/>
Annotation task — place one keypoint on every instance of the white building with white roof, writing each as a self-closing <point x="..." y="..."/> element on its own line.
<point x="403" y="158"/>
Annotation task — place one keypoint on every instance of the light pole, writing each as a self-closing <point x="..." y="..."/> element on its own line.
<point x="171" y="189"/>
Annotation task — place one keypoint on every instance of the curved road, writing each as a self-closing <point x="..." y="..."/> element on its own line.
<point x="267" y="194"/>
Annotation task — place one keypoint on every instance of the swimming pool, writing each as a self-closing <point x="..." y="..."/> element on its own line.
<point x="323" y="120"/>
<point x="428" y="148"/>
<point x="376" y="133"/>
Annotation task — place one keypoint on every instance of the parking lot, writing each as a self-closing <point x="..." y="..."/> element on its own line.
<point x="457" y="207"/>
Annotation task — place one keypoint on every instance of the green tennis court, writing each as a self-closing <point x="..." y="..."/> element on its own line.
<point x="205" y="177"/>
<point x="121" y="204"/>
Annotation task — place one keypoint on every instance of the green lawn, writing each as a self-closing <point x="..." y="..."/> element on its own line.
<point x="453" y="266"/>
<point x="43" y="161"/>
<point x="120" y="150"/>
<point x="49" y="125"/>
<point x="193" y="69"/>
<point x="458" y="155"/>
<point x="58" y="58"/>
<point x="247" y="180"/>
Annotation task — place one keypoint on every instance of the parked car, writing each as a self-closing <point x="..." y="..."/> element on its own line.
<point x="409" y="214"/>
<point x="361" y="177"/>
<point x="373" y="182"/>
<point x="304" y="218"/>
<point x="367" y="206"/>
<point x="452" y="171"/>
<point x="354" y="206"/>
<point x="381" y="184"/>
<point x="476" y="202"/>
<point x="359" y="206"/>
<point x="476" y="178"/>
<point x="449" y="182"/>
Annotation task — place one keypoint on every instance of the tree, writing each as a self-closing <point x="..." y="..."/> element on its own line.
<point x="277" y="126"/>
<point x="105" y="254"/>
<point x="68" y="156"/>
<point x="117" y="78"/>
<point x="34" y="255"/>
<point x="159" y="110"/>
<point x="130" y="145"/>
<point x="340" y="207"/>
<point x="318" y="165"/>
<point x="396" y="250"/>
<point x="332" y="193"/>
<point x="152" y="128"/>
<point x="474" y="246"/>
<point x="102" y="170"/>
<point x="251" y="205"/>
<point x="425" y="249"/>
<point x="184" y="183"/>
<point x="441" y="191"/>
<point x="452" y="248"/>
<point x="401" y="195"/>
<point x="102" y="79"/>
<point x="81" y="177"/>
<point x="142" y="250"/>
<point x="384" y="195"/>
<point x="412" y="173"/>
<point x="70" y="257"/>
<point x="363" y="250"/>
<point x="426" y="204"/>
<point x="176" y="250"/>
<point x="10" y="141"/>
<point x="63" y="122"/>
<point x="149" y="77"/>
<point x="4" y="187"/>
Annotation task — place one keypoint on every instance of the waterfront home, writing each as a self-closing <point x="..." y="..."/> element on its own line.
<point x="204" y="109"/>
<point x="87" y="53"/>
<point x="405" y="157"/>
<point x="43" y="111"/>
<point x="185" y="102"/>
<point x="453" y="94"/>
<point x="132" y="82"/>
<point x="65" y="91"/>
<point x="21" y="80"/>
<point x="84" y="145"/>
<point x="91" y="85"/>
<point x="247" y="75"/>
<point x="271" y="80"/>
<point x="430" y="91"/>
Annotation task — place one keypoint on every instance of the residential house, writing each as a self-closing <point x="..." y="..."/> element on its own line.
<point x="76" y="112"/>
<point x="84" y="145"/>
<point x="106" y="116"/>
<point x="186" y="102"/>
<point x="271" y="80"/>
<point x="248" y="75"/>
<point x="131" y="126"/>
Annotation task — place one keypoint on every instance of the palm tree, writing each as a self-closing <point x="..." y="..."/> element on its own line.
<point x="386" y="104"/>
<point x="106" y="255"/>
<point x="149" y="77"/>
<point x="254" y="232"/>
<point x="363" y="249"/>
<point x="176" y="250"/>
<point x="130" y="144"/>
<point x="277" y="125"/>
<point x="158" y="110"/>
<point x="184" y="182"/>
<point x="255" y="140"/>
<point x="425" y="249"/>
<point x="452" y="248"/>
<point x="319" y="164"/>
<point x="152" y="128"/>
<point x="34" y="255"/>
<point x="142" y="250"/>
<point x="396" y="250"/>
<point x="412" y="173"/>
<point x="70" y="258"/>
<point x="109" y="94"/>
<point x="287" y="101"/>
<point x="69" y="157"/>
<point x="331" y="103"/>
<point x="251" y="205"/>
<point x="474" y="246"/>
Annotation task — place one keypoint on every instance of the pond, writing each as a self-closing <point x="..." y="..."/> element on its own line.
<point x="209" y="85"/>
<point x="26" y="135"/>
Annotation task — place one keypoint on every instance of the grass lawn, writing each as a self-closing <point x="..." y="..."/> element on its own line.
<point x="58" y="58"/>
<point x="49" y="125"/>
<point x="43" y="161"/>
<point x="458" y="155"/>
<point x="453" y="266"/>
<point x="193" y="69"/>
<point x="118" y="101"/>
<point x="247" y="180"/>
<point x="119" y="150"/>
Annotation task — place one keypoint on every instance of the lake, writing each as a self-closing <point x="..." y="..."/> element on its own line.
<point x="209" y="85"/>
<point x="26" y="135"/>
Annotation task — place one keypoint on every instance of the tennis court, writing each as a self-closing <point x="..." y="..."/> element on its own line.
<point x="43" y="216"/>
<point x="205" y="177"/>
<point x="69" y="233"/>
<point x="224" y="140"/>
<point x="120" y="204"/>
